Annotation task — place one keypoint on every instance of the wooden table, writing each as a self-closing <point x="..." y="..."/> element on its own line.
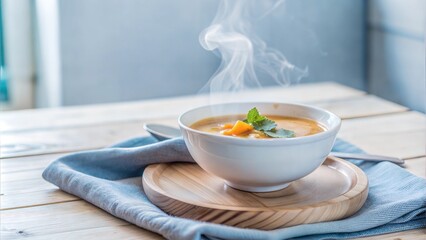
<point x="32" y="208"/>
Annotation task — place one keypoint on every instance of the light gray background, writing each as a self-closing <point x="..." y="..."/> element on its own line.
<point x="114" y="50"/>
<point x="396" y="51"/>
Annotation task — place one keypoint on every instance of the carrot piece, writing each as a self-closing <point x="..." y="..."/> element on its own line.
<point x="238" y="128"/>
<point x="227" y="126"/>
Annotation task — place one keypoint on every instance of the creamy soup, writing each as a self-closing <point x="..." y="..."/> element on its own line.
<point x="220" y="125"/>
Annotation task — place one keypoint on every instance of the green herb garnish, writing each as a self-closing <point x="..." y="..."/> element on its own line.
<point x="280" y="133"/>
<point x="267" y="126"/>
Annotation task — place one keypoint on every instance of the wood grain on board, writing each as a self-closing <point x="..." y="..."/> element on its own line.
<point x="335" y="190"/>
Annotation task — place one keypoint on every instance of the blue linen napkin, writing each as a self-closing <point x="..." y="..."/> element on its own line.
<point x="111" y="179"/>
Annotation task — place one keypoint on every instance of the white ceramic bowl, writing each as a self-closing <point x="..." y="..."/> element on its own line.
<point x="259" y="165"/>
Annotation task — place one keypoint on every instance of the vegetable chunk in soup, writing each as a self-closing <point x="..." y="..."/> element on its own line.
<point x="254" y="125"/>
<point x="220" y="125"/>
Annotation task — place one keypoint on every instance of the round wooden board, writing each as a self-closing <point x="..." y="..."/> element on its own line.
<point x="337" y="189"/>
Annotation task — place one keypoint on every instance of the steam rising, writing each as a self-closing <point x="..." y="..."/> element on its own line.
<point x="244" y="55"/>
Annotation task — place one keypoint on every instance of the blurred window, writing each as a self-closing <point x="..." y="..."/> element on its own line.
<point x="4" y="96"/>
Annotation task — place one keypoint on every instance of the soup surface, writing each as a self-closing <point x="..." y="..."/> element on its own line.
<point x="219" y="125"/>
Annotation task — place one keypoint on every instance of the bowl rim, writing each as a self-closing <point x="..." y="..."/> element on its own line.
<point x="273" y="141"/>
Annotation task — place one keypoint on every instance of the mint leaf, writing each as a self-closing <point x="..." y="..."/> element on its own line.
<point x="265" y="125"/>
<point x="258" y="121"/>
<point x="280" y="133"/>
<point x="254" y="117"/>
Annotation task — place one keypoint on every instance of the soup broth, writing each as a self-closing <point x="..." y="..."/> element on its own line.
<point x="300" y="126"/>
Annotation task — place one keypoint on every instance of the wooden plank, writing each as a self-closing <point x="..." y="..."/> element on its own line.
<point x="21" y="183"/>
<point x="362" y="106"/>
<point x="128" y="232"/>
<point x="22" y="176"/>
<point x="55" y="219"/>
<point x="416" y="166"/>
<point x="68" y="139"/>
<point x="400" y="135"/>
<point x="171" y="107"/>
<point x="25" y="185"/>
<point x="35" y="198"/>
<point x="43" y="141"/>
<point x="10" y="165"/>
<point x="84" y="220"/>
<point x="16" y="176"/>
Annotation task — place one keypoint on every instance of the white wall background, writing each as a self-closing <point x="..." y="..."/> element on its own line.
<point x="113" y="50"/>
<point x="396" y="68"/>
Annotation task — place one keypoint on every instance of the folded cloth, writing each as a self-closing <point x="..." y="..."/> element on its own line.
<point x="111" y="179"/>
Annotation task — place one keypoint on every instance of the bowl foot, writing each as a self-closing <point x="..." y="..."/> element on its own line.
<point x="257" y="189"/>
